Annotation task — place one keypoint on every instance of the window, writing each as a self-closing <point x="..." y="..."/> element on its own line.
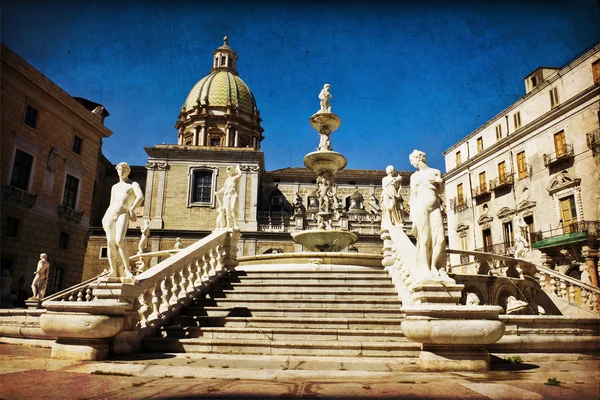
<point x="459" y="194"/>
<point x="568" y="213"/>
<point x="31" y="116"/>
<point x="63" y="240"/>
<point x="71" y="189"/>
<point x="77" y="144"/>
<point x="502" y="172"/>
<point x="202" y="186"/>
<point x="103" y="252"/>
<point x="21" y="171"/>
<point x="487" y="240"/>
<point x="530" y="227"/>
<point x="215" y="141"/>
<point x="55" y="279"/>
<point x="458" y="158"/>
<point x="463" y="243"/>
<point x="522" y="165"/>
<point x="533" y="81"/>
<point x="517" y="120"/>
<point x="479" y="145"/>
<point x="560" y="144"/>
<point x="554" y="97"/>
<point x="498" y="132"/>
<point x="596" y="71"/>
<point x="11" y="227"/>
<point x="507" y="229"/>
<point x="482" y="181"/>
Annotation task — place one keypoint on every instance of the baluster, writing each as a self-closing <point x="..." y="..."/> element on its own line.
<point x="206" y="267"/>
<point x="185" y="281"/>
<point x="572" y="293"/>
<point x="563" y="290"/>
<point x="145" y="307"/>
<point x="552" y="287"/>
<point x="192" y="274"/>
<point x="167" y="293"/>
<point x="71" y="297"/>
<point x="198" y="283"/>
<point x="213" y="264"/>
<point x="156" y="301"/>
<point x="80" y="295"/>
<point x="88" y="294"/>
<point x="542" y="280"/>
<point x="176" y="288"/>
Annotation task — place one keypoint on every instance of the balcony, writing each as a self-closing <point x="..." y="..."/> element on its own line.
<point x="566" y="153"/>
<point x="459" y="204"/>
<point x="502" y="181"/>
<point x="480" y="191"/>
<point x="501" y="249"/>
<point x="570" y="233"/>
<point x="69" y="214"/>
<point x="20" y="195"/>
<point x="593" y="141"/>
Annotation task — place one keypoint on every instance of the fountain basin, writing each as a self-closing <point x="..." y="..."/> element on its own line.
<point x="324" y="240"/>
<point x="321" y="120"/>
<point x="325" y="161"/>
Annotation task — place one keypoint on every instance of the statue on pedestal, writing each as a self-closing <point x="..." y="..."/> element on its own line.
<point x="125" y="197"/>
<point x="40" y="280"/>
<point x="229" y="190"/>
<point x="145" y="229"/>
<point x="391" y="206"/>
<point x="324" y="97"/>
<point x="521" y="242"/>
<point x="426" y="215"/>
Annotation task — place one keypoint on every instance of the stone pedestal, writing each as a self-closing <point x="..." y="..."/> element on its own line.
<point x="33" y="304"/>
<point x="85" y="329"/>
<point x="453" y="336"/>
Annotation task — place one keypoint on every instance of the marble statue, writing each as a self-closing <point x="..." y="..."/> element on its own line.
<point x="324" y="96"/>
<point x="145" y="229"/>
<point x="425" y="212"/>
<point x="40" y="280"/>
<point x="521" y="242"/>
<point x="178" y="244"/>
<point x="391" y="206"/>
<point x="324" y="142"/>
<point x="230" y="195"/>
<point x="374" y="203"/>
<point x="125" y="197"/>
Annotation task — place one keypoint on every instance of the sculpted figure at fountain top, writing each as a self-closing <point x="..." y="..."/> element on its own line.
<point x="324" y="97"/>
<point x="426" y="215"/>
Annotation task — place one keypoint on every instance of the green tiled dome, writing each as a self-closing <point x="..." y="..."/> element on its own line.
<point x="219" y="86"/>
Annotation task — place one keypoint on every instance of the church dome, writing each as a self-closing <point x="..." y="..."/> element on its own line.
<point x="221" y="88"/>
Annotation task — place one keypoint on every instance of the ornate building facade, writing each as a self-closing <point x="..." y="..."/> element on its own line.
<point x="219" y="126"/>
<point x="51" y="144"/>
<point x="536" y="162"/>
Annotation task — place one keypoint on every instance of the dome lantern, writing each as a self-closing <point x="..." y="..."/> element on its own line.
<point x="224" y="58"/>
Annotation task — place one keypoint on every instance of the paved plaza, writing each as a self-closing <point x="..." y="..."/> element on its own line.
<point x="30" y="373"/>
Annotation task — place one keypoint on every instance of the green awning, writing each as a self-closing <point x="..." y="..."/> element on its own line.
<point x="560" y="240"/>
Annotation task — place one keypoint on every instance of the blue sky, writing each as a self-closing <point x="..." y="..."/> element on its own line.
<point x="403" y="75"/>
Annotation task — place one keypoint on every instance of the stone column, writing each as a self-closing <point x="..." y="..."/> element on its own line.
<point x="195" y="137"/>
<point x="236" y="139"/>
<point x="157" y="221"/>
<point x="202" y="141"/>
<point x="227" y="135"/>
<point x="590" y="256"/>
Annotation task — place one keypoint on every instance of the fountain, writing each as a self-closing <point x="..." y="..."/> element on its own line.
<point x="325" y="163"/>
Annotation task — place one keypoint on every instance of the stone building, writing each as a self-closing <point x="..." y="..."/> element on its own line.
<point x="51" y="144"/>
<point x="219" y="126"/>
<point x="537" y="159"/>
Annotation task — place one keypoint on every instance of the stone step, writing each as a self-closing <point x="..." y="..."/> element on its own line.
<point x="283" y="347"/>
<point x="361" y="335"/>
<point x="267" y="273"/>
<point x="357" y="312"/>
<point x="275" y="293"/>
<point x="323" y="303"/>
<point x="302" y="285"/>
<point x="286" y="322"/>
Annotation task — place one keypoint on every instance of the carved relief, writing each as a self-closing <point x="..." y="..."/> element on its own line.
<point x="506" y="214"/>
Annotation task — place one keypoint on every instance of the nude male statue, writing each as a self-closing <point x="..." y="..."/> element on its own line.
<point x="324" y="96"/>
<point x="125" y="197"/>
<point x="230" y="195"/>
<point x="40" y="281"/>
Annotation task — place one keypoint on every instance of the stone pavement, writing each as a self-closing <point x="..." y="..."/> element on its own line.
<point x="30" y="373"/>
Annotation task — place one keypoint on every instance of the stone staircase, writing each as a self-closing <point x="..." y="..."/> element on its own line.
<point x="292" y="310"/>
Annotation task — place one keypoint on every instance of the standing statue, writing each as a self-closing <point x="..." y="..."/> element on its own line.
<point x="391" y="206"/>
<point x="324" y="142"/>
<point x="426" y="216"/>
<point x="521" y="242"/>
<point x="178" y="244"/>
<point x="145" y="229"/>
<point x="125" y="197"/>
<point x="40" y="280"/>
<point x="230" y="195"/>
<point x="324" y="96"/>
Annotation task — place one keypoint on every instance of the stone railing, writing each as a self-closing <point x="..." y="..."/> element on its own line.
<point x="20" y="195"/>
<point x="83" y="291"/>
<point x="569" y="289"/>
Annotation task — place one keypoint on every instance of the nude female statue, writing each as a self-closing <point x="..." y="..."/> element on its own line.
<point x="230" y="195"/>
<point x="390" y="198"/>
<point x="125" y="196"/>
<point x="426" y="215"/>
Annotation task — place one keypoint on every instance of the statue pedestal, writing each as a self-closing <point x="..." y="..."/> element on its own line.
<point x="453" y="336"/>
<point x="33" y="304"/>
<point x="83" y="329"/>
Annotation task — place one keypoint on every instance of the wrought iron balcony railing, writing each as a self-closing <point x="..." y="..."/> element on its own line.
<point x="20" y="195"/>
<point x="481" y="190"/>
<point x="69" y="213"/>
<point x="501" y="249"/>
<point x="589" y="228"/>
<point x="459" y="204"/>
<point x="563" y="154"/>
<point x="502" y="181"/>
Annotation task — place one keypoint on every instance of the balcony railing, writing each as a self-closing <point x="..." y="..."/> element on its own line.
<point x="69" y="213"/>
<point x="578" y="230"/>
<point x="20" y="195"/>
<point x="593" y="141"/>
<point x="502" y="181"/>
<point x="501" y="249"/>
<point x="564" y="154"/>
<point x="459" y="204"/>
<point x="481" y="190"/>
<point x="263" y="215"/>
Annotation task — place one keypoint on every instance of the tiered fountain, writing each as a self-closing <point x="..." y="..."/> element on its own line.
<point x="325" y="163"/>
